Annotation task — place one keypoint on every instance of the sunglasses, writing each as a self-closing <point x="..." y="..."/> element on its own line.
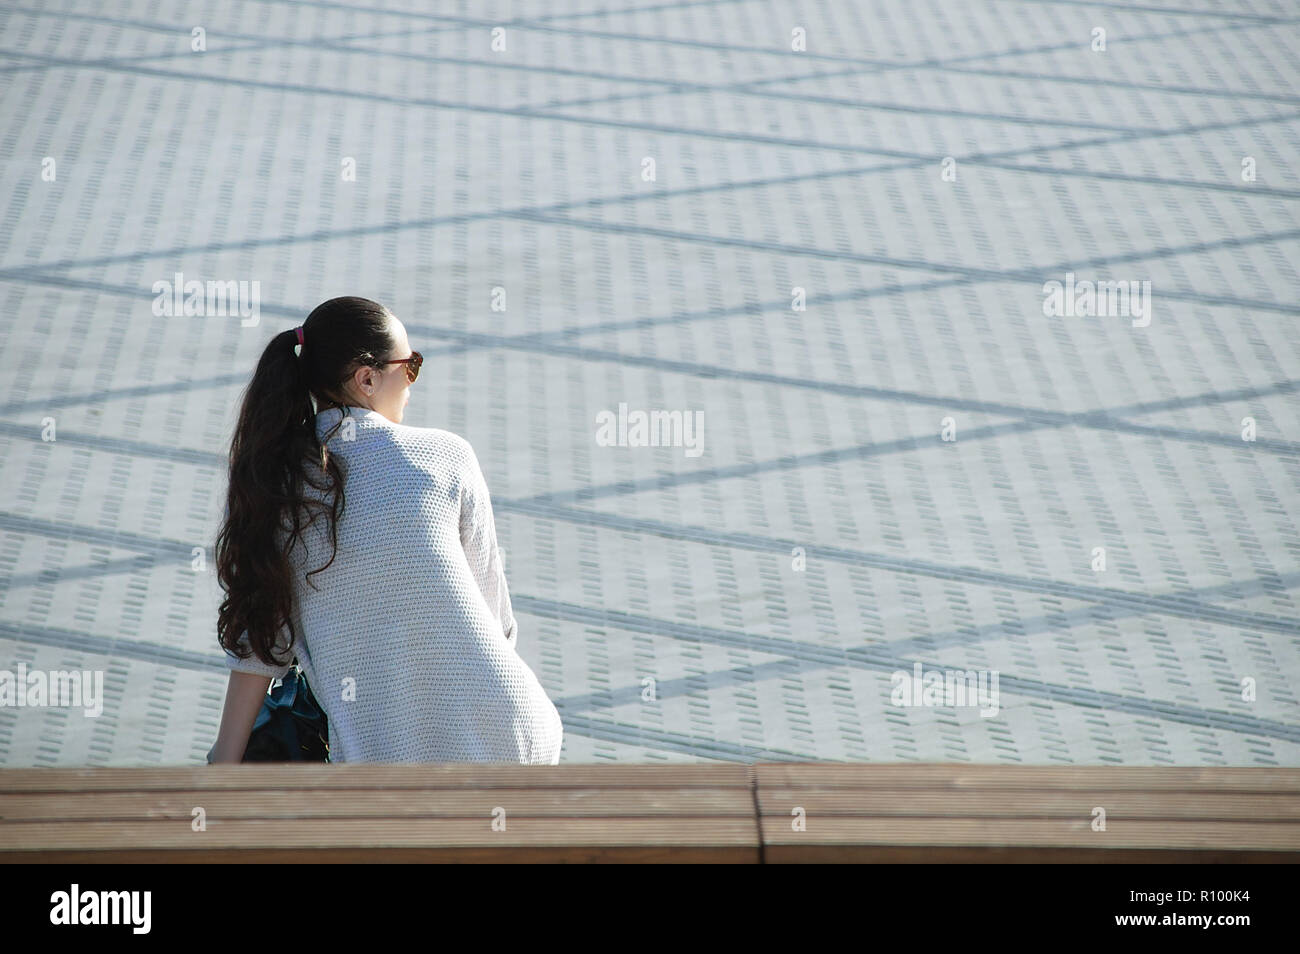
<point x="412" y="365"/>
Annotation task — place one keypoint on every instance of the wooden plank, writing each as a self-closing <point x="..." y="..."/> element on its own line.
<point x="372" y="776"/>
<point x="1075" y="778"/>
<point x="364" y="803"/>
<point x="903" y="812"/>
<point x="593" y="802"/>
<point x="992" y="803"/>
<point x="381" y="834"/>
<point x="960" y="814"/>
<point x="1031" y="832"/>
<point x="370" y="812"/>
<point x="407" y="854"/>
<point x="1014" y="854"/>
<point x="784" y="774"/>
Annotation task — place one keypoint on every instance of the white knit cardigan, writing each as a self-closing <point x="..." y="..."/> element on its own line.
<point x="408" y="639"/>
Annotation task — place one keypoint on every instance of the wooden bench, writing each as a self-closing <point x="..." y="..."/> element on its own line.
<point x="358" y="812"/>
<point x="773" y="812"/>
<point x="1014" y="813"/>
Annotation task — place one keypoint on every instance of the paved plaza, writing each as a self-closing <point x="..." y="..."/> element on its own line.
<point x="983" y="314"/>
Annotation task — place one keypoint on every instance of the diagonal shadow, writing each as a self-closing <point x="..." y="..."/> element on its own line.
<point x="802" y="143"/>
<point x="756" y="309"/>
<point x="1147" y="8"/>
<point x="963" y="637"/>
<point x="259" y="41"/>
<point x="884" y="659"/>
<point x="603" y="729"/>
<point x="1177" y="605"/>
<point x="664" y="740"/>
<point x="1089" y="419"/>
<point x="141" y="562"/>
<point x="518" y="112"/>
<point x="640" y="195"/>
<point x="1183" y="606"/>
<point x="539" y="25"/>
<point x="1073" y="172"/>
<point x="867" y="67"/>
<point x="917" y="442"/>
<point x="340" y="44"/>
<point x="120" y="445"/>
<point x="1055" y="622"/>
<point x="1086" y="419"/>
<point x="1201" y="91"/>
<point x="447" y="24"/>
<point x="135" y="649"/>
<point x="1033" y="274"/>
<point x="1022" y="425"/>
<point x="800" y="657"/>
<point x="109" y="394"/>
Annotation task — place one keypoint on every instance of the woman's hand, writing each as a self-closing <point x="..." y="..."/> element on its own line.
<point x="244" y="695"/>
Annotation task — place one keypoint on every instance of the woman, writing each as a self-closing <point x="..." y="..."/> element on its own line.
<point x="383" y="577"/>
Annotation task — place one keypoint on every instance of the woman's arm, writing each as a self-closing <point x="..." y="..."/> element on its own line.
<point x="478" y="536"/>
<point x="244" y="694"/>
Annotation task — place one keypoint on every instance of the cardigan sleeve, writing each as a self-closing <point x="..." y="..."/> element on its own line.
<point x="478" y="536"/>
<point x="255" y="666"/>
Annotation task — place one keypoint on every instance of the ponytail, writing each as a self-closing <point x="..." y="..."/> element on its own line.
<point x="274" y="453"/>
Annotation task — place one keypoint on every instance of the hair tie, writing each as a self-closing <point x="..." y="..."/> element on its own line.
<point x="297" y="349"/>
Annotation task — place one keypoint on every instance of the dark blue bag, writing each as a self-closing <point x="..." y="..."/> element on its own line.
<point x="291" y="726"/>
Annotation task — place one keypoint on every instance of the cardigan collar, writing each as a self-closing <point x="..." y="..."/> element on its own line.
<point x="331" y="415"/>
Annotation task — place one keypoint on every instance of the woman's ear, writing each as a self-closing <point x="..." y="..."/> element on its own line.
<point x="364" y="379"/>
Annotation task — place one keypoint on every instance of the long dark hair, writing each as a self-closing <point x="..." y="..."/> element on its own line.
<point x="275" y="451"/>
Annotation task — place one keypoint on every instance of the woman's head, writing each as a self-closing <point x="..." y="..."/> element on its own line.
<point x="351" y="355"/>
<point x="354" y="353"/>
